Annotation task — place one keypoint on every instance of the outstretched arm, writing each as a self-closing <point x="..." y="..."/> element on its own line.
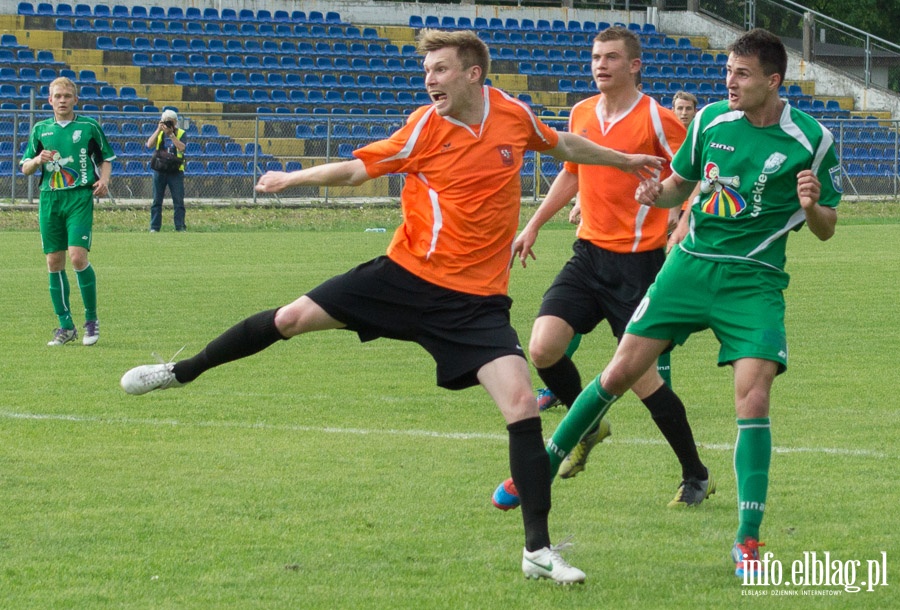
<point x="572" y="147"/>
<point x="341" y="173"/>
<point x="666" y="194"/>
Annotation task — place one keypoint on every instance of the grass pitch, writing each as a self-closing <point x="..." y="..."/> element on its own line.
<point x="325" y="473"/>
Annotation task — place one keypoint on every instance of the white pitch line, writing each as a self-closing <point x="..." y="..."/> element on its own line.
<point x="391" y="432"/>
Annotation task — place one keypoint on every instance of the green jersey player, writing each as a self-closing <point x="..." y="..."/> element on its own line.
<point x="764" y="170"/>
<point x="75" y="159"/>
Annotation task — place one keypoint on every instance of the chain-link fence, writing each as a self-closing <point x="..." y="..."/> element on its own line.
<point x="226" y="154"/>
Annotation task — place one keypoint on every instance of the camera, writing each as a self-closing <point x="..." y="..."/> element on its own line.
<point x="170" y="124"/>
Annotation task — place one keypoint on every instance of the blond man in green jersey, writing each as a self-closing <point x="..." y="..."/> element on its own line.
<point x="74" y="157"/>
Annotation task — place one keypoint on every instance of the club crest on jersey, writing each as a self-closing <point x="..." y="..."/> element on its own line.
<point x="506" y="154"/>
<point x="76" y="136"/>
<point x="723" y="198"/>
<point x="774" y="163"/>
<point x="836" y="182"/>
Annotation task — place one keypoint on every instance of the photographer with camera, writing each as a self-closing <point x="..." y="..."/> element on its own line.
<point x="167" y="142"/>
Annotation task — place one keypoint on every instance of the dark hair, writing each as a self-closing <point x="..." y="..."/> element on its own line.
<point x="469" y="47"/>
<point x="765" y="46"/>
<point x="631" y="40"/>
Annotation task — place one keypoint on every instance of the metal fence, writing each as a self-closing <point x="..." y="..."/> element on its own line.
<point x="870" y="60"/>
<point x="226" y="154"/>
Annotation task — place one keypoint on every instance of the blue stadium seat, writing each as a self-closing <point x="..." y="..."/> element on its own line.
<point x="135" y="168"/>
<point x="215" y="168"/>
<point x="134" y="149"/>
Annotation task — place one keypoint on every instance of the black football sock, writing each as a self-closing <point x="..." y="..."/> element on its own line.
<point x="530" y="468"/>
<point x="245" y="338"/>
<point x="670" y="417"/>
<point x="563" y="379"/>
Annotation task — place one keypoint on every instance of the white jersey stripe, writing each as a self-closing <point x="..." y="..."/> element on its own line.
<point x="404" y="152"/>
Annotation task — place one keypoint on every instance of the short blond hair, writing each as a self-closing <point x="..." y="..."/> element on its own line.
<point x="63" y="81"/>
<point x="470" y="49"/>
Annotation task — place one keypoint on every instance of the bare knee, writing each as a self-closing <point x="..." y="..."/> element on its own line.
<point x="522" y="406"/>
<point x="56" y="261"/>
<point x="634" y="356"/>
<point x="753" y="403"/>
<point x="752" y="386"/>
<point x="617" y="378"/>
<point x="302" y="316"/>
<point x="648" y="383"/>
<point x="550" y="338"/>
<point x="544" y="355"/>
<point x="79" y="262"/>
<point x="79" y="258"/>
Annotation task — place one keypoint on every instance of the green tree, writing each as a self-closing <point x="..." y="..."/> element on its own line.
<point x="877" y="17"/>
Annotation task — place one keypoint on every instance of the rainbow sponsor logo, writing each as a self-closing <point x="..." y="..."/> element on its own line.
<point x="723" y="198"/>
<point x="61" y="177"/>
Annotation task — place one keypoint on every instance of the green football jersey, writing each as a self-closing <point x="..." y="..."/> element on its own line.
<point x="748" y="181"/>
<point x="80" y="147"/>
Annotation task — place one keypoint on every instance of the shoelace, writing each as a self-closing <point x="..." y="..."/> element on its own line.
<point x="156" y="375"/>
<point x="561" y="546"/>
<point x="62" y="333"/>
<point x="750" y="548"/>
<point x="171" y="360"/>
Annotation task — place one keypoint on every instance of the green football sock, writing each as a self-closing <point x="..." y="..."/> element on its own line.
<point x="87" y="282"/>
<point x="573" y="345"/>
<point x="59" y="296"/>
<point x="752" y="456"/>
<point x="588" y="409"/>
<point x="664" y="366"/>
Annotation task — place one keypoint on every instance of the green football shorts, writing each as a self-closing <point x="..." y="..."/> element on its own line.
<point x="742" y="303"/>
<point x="66" y="219"/>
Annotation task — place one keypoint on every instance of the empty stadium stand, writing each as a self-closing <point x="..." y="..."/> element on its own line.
<point x="320" y="86"/>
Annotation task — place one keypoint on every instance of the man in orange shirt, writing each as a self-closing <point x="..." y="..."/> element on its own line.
<point x="444" y="280"/>
<point x="684" y="105"/>
<point x="620" y="249"/>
